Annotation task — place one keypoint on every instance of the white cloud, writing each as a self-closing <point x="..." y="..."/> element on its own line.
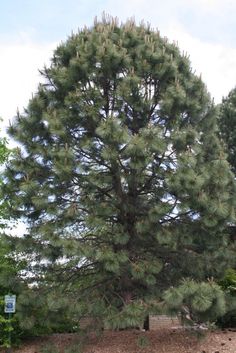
<point x="19" y="76"/>
<point x="213" y="5"/>
<point x="154" y="9"/>
<point x="215" y="62"/>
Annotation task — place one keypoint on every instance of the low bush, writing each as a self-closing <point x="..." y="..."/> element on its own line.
<point x="228" y="284"/>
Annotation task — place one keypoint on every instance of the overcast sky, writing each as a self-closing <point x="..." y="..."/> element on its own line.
<point x="31" y="29"/>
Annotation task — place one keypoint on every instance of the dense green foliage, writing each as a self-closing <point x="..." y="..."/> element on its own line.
<point x="228" y="283"/>
<point x="196" y="302"/>
<point x="227" y="123"/>
<point x="120" y="176"/>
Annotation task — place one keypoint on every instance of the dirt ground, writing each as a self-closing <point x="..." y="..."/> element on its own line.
<point x="165" y="341"/>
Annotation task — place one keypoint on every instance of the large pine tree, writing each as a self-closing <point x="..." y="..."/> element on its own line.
<point x="120" y="176"/>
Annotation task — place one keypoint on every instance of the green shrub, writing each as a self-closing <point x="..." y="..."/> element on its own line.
<point x="142" y="341"/>
<point x="10" y="331"/>
<point x="228" y="284"/>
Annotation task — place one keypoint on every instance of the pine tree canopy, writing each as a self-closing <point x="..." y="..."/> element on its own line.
<point x="120" y="174"/>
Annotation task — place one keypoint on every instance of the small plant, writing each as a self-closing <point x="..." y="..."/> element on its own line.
<point x="142" y="341"/>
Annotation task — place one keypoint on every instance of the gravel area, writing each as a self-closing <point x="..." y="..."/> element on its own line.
<point x="133" y="341"/>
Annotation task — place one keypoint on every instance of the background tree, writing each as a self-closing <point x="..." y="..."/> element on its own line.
<point x="227" y="123"/>
<point x="6" y="265"/>
<point x="4" y="154"/>
<point x="9" y="265"/>
<point x="121" y="176"/>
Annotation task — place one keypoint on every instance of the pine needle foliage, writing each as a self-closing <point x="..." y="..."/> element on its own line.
<point x="227" y="123"/>
<point x="197" y="302"/>
<point x="120" y="174"/>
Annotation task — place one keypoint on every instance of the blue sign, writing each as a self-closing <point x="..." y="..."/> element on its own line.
<point x="10" y="304"/>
